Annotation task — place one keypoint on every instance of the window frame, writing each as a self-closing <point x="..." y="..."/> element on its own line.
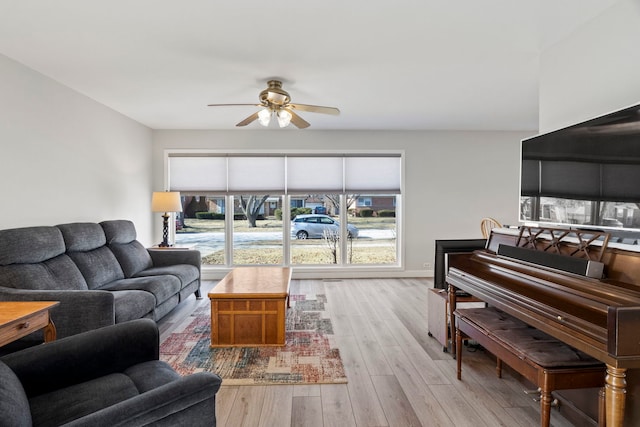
<point x="286" y="238"/>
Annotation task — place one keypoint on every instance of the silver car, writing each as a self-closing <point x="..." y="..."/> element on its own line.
<point x="313" y="226"/>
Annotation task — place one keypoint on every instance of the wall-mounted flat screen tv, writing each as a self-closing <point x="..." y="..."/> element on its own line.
<point x="584" y="176"/>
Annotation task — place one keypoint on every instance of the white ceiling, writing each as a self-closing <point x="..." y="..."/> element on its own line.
<point x="403" y="64"/>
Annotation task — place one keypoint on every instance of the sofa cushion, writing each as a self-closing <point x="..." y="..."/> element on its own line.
<point x="30" y="245"/>
<point x="152" y="374"/>
<point x="98" y="266"/>
<point x="543" y="349"/>
<point x="162" y="287"/>
<point x="185" y="272"/>
<point x="14" y="405"/>
<point x="82" y="236"/>
<point x="134" y="304"/>
<point x="132" y="256"/>
<point x="121" y="239"/>
<point x="59" y="273"/>
<point x="119" y="231"/>
<point x="525" y="341"/>
<point x="86" y="245"/>
<point x="64" y="405"/>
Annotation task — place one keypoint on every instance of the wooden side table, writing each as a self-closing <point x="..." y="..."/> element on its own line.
<point x="20" y="318"/>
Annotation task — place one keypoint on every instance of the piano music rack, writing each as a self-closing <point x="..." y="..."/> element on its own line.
<point x="577" y="243"/>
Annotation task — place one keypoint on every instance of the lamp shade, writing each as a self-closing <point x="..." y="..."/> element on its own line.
<point x="264" y="117"/>
<point x="284" y="118"/>
<point x="166" y="201"/>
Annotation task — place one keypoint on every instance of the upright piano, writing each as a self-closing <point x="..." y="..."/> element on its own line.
<point x="525" y="273"/>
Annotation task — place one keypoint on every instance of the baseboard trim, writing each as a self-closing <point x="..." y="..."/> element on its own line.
<point x="306" y="273"/>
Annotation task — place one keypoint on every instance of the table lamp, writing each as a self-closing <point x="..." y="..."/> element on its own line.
<point x="166" y="201"/>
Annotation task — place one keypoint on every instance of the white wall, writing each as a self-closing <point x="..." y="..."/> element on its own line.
<point x="66" y="158"/>
<point x="452" y="179"/>
<point x="593" y="71"/>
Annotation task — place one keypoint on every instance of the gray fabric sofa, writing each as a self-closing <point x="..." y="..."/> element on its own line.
<point x="106" y="377"/>
<point x="99" y="272"/>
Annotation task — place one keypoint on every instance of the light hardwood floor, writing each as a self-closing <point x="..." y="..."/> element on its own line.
<point x="397" y="374"/>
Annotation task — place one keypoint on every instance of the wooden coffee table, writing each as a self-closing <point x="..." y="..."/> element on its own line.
<point x="20" y="318"/>
<point x="248" y="307"/>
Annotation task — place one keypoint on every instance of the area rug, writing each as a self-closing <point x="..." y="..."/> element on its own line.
<point x="309" y="355"/>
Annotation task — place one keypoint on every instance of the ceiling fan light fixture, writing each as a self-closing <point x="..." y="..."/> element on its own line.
<point x="264" y="117"/>
<point x="284" y="118"/>
<point x="276" y="101"/>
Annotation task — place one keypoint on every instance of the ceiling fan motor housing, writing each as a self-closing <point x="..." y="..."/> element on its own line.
<point x="274" y="94"/>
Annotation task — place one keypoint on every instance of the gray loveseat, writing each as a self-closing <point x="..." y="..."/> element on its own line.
<point x="99" y="272"/>
<point x="107" y="377"/>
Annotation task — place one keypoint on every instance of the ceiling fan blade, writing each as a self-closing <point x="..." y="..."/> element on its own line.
<point x="315" y="109"/>
<point x="298" y="121"/>
<point x="248" y="120"/>
<point x="233" y="105"/>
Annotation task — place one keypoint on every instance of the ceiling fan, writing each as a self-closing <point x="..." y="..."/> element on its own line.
<point x="275" y="101"/>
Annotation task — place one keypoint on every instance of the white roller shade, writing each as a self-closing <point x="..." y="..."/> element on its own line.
<point x="314" y="174"/>
<point x="198" y="174"/>
<point x="256" y="174"/>
<point x="372" y="174"/>
<point x="285" y="174"/>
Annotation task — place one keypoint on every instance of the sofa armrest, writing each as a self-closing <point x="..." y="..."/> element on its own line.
<point x="188" y="401"/>
<point x="167" y="257"/>
<point x="85" y="356"/>
<point x="78" y="311"/>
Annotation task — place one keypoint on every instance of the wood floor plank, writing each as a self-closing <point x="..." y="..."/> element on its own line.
<point x="307" y="412"/>
<point x="420" y="396"/>
<point x="378" y="325"/>
<point x="425" y="366"/>
<point x="364" y="400"/>
<point x="481" y="368"/>
<point x="369" y="347"/>
<point x="409" y="305"/>
<point x="306" y="390"/>
<point x="395" y="404"/>
<point x="308" y="287"/>
<point x="456" y="407"/>
<point x="277" y="406"/>
<point x="225" y="398"/>
<point x="483" y="403"/>
<point x="338" y="309"/>
<point x="524" y="416"/>
<point x="336" y="406"/>
<point x="530" y="417"/>
<point x="247" y="407"/>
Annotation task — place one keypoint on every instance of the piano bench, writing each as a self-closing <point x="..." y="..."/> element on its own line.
<point x="545" y="361"/>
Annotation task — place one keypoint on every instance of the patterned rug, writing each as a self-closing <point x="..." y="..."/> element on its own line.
<point x="308" y="357"/>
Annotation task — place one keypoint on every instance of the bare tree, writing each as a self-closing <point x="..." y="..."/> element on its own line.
<point x="332" y="239"/>
<point x="334" y="199"/>
<point x="250" y="206"/>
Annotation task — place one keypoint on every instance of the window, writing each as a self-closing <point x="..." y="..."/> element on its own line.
<point x="364" y="201"/>
<point x="377" y="237"/>
<point x="293" y="209"/>
<point x="202" y="224"/>
<point x="315" y="237"/>
<point x="297" y="203"/>
<point x="257" y="234"/>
